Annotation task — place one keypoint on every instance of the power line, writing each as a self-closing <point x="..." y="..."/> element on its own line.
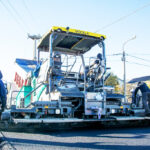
<point x="117" y="54"/>
<point x="133" y="57"/>
<point x="123" y="17"/>
<point x="29" y="12"/>
<point x="138" y="64"/>
<point x="26" y="7"/>
<point x="17" y="14"/>
<point x="113" y="60"/>
<point x="16" y="20"/>
<point x="141" y="54"/>
<point x="138" y="58"/>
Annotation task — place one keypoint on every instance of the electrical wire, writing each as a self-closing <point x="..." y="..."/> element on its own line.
<point x="11" y="14"/>
<point x="141" y="54"/>
<point x="29" y="12"/>
<point x="123" y="17"/>
<point x="138" y="58"/>
<point x="138" y="64"/>
<point x="18" y="15"/>
<point x="132" y="57"/>
<point x="26" y="7"/>
<point x="117" y="54"/>
<point x="113" y="60"/>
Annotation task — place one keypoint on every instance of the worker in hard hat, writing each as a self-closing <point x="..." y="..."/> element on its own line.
<point x="97" y="67"/>
<point x="3" y="96"/>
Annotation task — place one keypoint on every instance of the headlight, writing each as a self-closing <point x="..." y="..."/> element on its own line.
<point x="99" y="97"/>
<point x="112" y="111"/>
<point x="57" y="111"/>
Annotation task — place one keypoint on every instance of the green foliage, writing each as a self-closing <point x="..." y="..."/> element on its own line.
<point x="112" y="80"/>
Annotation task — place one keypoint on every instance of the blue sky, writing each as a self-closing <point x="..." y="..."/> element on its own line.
<point x="19" y="17"/>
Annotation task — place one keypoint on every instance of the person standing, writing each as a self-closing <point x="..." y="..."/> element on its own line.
<point x="145" y="95"/>
<point x="3" y="95"/>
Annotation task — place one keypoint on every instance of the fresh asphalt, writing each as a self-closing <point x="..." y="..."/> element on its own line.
<point x="85" y="138"/>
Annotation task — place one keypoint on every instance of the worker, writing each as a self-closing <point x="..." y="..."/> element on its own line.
<point x="97" y="62"/>
<point x="3" y="96"/>
<point x="145" y="95"/>
<point x="95" y="67"/>
<point x="142" y="87"/>
<point x="98" y="67"/>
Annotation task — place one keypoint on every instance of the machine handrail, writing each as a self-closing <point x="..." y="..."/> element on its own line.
<point x="26" y="92"/>
<point x="15" y="92"/>
<point x="34" y="90"/>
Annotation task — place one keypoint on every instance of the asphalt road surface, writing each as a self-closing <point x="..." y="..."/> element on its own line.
<point x="108" y="139"/>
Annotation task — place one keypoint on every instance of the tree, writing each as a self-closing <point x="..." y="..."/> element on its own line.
<point x="112" y="80"/>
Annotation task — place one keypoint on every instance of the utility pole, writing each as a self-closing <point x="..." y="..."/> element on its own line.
<point x="124" y="65"/>
<point x="34" y="37"/>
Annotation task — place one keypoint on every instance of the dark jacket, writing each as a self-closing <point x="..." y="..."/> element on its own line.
<point x="2" y="88"/>
<point x="143" y="88"/>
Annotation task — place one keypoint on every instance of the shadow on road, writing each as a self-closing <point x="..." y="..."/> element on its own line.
<point x="116" y="134"/>
<point x="92" y="145"/>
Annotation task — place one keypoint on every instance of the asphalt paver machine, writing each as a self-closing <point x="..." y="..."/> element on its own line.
<point x="59" y="89"/>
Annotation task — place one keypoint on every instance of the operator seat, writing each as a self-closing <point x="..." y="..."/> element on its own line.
<point x="57" y="65"/>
